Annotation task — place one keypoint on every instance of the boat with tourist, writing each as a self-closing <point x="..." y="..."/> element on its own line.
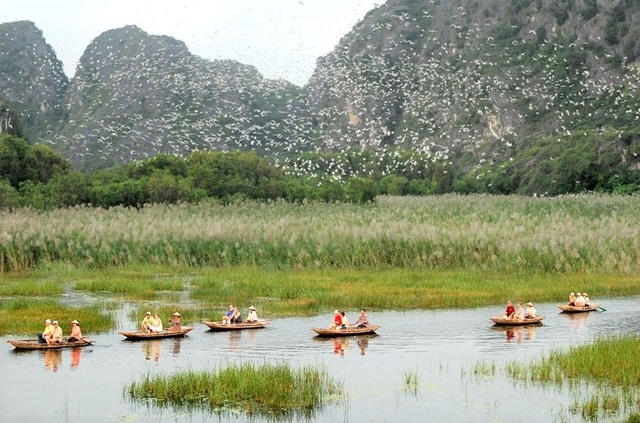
<point x="141" y="335"/>
<point x="346" y="332"/>
<point x="506" y="321"/>
<point x="34" y="344"/>
<point x="223" y="327"/>
<point x="576" y="309"/>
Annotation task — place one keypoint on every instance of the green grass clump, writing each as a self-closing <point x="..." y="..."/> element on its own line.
<point x="27" y="316"/>
<point x="269" y="389"/>
<point x="610" y="364"/>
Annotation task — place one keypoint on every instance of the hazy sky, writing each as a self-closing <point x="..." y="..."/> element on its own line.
<point x="282" y="38"/>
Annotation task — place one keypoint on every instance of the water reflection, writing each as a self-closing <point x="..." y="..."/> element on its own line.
<point x="152" y="349"/>
<point x="517" y="333"/>
<point x="341" y="344"/>
<point x="52" y="360"/>
<point x="75" y="357"/>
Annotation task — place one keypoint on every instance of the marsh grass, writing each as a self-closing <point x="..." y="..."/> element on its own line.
<point x="610" y="364"/>
<point x="411" y="382"/>
<point x="27" y="316"/>
<point x="256" y="389"/>
<point x="484" y="368"/>
<point x="590" y="233"/>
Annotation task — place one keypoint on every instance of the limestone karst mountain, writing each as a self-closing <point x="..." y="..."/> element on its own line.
<point x="491" y="90"/>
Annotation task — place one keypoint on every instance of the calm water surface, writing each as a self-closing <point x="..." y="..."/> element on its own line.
<point x="441" y="347"/>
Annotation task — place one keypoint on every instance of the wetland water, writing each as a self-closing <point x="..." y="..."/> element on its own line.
<point x="440" y="347"/>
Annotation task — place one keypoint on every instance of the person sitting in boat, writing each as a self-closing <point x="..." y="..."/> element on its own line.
<point x="579" y="300"/>
<point x="531" y="311"/>
<point x="587" y="301"/>
<point x="147" y="322"/>
<point x="76" y="333"/>
<point x="520" y="311"/>
<point x="157" y="324"/>
<point x="229" y="314"/>
<point x="177" y="322"/>
<point x="337" y="320"/>
<point x="253" y="316"/>
<point x="510" y="311"/>
<point x="46" y="333"/>
<point x="363" y="320"/>
<point x="572" y="299"/>
<point x="56" y="336"/>
<point x="345" y="322"/>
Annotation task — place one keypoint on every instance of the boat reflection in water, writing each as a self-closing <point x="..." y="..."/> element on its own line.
<point x="341" y="344"/>
<point x="153" y="348"/>
<point x="75" y="357"/>
<point x="52" y="360"/>
<point x="517" y="333"/>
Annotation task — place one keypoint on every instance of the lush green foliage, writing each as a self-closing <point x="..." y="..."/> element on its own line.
<point x="265" y="389"/>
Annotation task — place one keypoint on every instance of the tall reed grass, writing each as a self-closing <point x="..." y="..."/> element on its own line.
<point x="257" y="389"/>
<point x="590" y="233"/>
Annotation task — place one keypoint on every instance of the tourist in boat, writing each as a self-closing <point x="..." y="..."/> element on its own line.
<point x="520" y="311"/>
<point x="147" y="322"/>
<point x="587" y="301"/>
<point x="237" y="316"/>
<point x="253" y="316"/>
<point x="337" y="320"/>
<point x="46" y="333"/>
<point x="229" y="314"/>
<point x="76" y="333"/>
<point x="510" y="311"/>
<point x="345" y="322"/>
<point x="572" y="299"/>
<point x="579" y="300"/>
<point x="56" y="336"/>
<point x="177" y="322"/>
<point x="363" y="320"/>
<point x="157" y="324"/>
<point x="531" y="311"/>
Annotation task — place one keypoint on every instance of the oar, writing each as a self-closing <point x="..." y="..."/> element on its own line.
<point x="600" y="308"/>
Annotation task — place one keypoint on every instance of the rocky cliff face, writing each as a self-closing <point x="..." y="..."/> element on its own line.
<point x="136" y="95"/>
<point x="32" y="80"/>
<point x="478" y="76"/>
<point x="466" y="81"/>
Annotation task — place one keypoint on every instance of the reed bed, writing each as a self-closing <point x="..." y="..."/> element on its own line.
<point x="27" y="316"/>
<point x="265" y="389"/>
<point x="609" y="364"/>
<point x="589" y="233"/>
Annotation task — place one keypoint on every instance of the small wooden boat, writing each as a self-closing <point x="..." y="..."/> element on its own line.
<point x="505" y="321"/>
<point x="140" y="335"/>
<point x="345" y="332"/>
<point x="34" y="344"/>
<point x="573" y="309"/>
<point x="221" y="327"/>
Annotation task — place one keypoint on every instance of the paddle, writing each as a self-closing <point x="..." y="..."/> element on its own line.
<point x="600" y="308"/>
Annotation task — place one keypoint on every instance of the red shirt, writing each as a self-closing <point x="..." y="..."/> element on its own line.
<point x="337" y="319"/>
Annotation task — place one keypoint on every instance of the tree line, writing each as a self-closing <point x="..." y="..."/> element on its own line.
<point x="37" y="176"/>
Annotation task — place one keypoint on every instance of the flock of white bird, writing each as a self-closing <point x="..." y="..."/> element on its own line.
<point x="398" y="81"/>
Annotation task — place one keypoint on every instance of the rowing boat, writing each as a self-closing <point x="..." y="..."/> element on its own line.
<point x="139" y="335"/>
<point x="505" y="321"/>
<point x="221" y="327"/>
<point x="573" y="309"/>
<point x="34" y="344"/>
<point x="345" y="332"/>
